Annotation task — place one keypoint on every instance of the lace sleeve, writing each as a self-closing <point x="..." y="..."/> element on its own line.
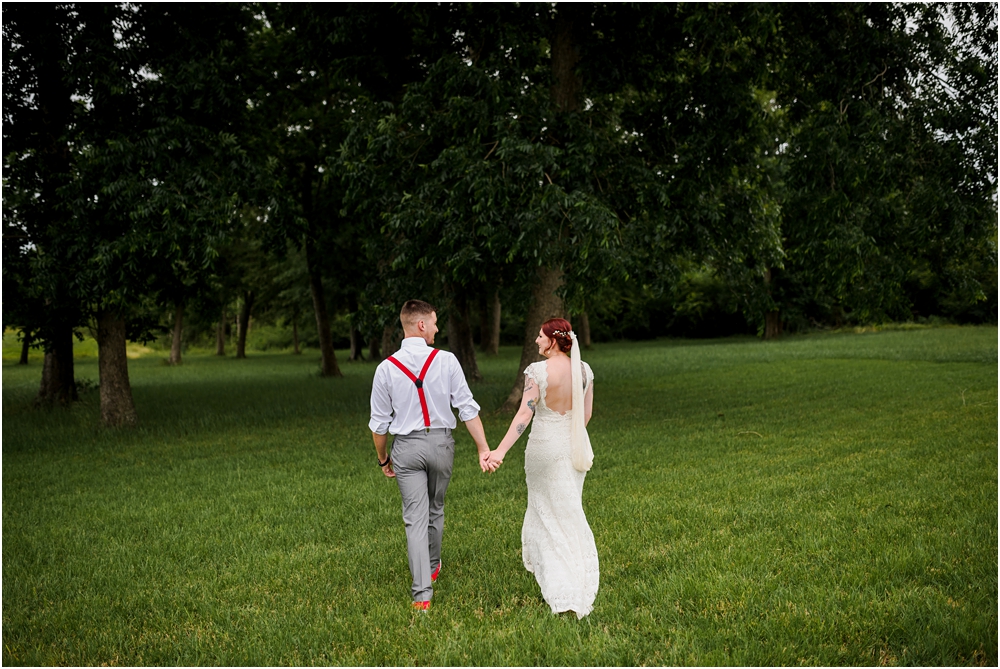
<point x="529" y="373"/>
<point x="536" y="372"/>
<point x="588" y="375"/>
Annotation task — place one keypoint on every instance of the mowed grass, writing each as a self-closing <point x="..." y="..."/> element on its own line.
<point x="823" y="500"/>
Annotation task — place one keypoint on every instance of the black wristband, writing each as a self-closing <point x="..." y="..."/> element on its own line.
<point x="387" y="459"/>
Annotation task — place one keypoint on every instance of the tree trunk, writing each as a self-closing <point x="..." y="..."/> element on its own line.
<point x="175" y="342"/>
<point x="566" y="98"/>
<point x="490" y="323"/>
<point x="40" y="27"/>
<point x="483" y="309"/>
<point x="567" y="86"/>
<point x="357" y="341"/>
<point x="58" y="381"/>
<point x="243" y="326"/>
<point x="356" y="345"/>
<point x="545" y="304"/>
<point x="772" y="325"/>
<point x="460" y="337"/>
<point x="374" y="352"/>
<point x="117" y="406"/>
<point x="495" y="325"/>
<point x="772" y="319"/>
<point x="25" y="347"/>
<point x="295" y="336"/>
<point x="392" y="335"/>
<point x="328" y="359"/>
<point x="220" y="335"/>
<point x="584" y="330"/>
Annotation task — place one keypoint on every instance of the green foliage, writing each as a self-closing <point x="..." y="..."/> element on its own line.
<point x="477" y="174"/>
<point x="833" y="162"/>
<point x="153" y="168"/>
<point x="892" y="126"/>
<point x="824" y="500"/>
<point x="699" y="304"/>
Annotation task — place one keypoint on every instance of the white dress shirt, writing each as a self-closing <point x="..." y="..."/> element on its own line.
<point x="396" y="403"/>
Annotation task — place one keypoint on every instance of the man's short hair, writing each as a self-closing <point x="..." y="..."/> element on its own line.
<point x="414" y="310"/>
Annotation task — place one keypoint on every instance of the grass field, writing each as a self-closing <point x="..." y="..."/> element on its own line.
<point x="825" y="499"/>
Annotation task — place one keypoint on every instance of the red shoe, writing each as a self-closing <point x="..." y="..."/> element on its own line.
<point x="422" y="606"/>
<point x="437" y="571"/>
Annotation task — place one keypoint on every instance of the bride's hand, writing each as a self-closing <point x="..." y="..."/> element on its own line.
<point x="494" y="460"/>
<point x="488" y="466"/>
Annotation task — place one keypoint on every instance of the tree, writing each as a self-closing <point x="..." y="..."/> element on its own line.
<point x="293" y="298"/>
<point x="456" y="168"/>
<point x="307" y="76"/>
<point x="571" y="145"/>
<point x="891" y="127"/>
<point x="151" y="179"/>
<point x="38" y="128"/>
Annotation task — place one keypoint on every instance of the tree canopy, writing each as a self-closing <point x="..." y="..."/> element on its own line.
<point x="787" y="165"/>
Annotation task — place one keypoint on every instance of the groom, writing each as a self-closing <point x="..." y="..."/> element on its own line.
<point x="412" y="395"/>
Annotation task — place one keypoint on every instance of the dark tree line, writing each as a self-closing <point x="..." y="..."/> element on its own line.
<point x="789" y="164"/>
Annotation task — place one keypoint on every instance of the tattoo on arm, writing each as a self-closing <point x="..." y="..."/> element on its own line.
<point x="528" y="384"/>
<point x="531" y="405"/>
<point x="520" y="428"/>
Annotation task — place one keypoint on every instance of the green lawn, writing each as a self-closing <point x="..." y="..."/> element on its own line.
<point x="825" y="499"/>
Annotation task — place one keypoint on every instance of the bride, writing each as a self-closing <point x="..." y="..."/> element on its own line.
<point x="556" y="542"/>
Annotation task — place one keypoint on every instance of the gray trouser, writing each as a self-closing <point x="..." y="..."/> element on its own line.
<point x="422" y="461"/>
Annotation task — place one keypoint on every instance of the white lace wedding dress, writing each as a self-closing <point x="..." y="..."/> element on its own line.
<point x="556" y="542"/>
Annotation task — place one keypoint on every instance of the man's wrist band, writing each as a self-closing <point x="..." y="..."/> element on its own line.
<point x="387" y="459"/>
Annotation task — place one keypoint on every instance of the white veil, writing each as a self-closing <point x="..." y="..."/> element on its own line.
<point x="583" y="454"/>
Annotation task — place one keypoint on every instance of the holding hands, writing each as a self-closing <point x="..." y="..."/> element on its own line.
<point x="484" y="462"/>
<point x="489" y="461"/>
<point x="494" y="459"/>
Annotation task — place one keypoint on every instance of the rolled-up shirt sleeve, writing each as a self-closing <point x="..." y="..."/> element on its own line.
<point x="461" y="395"/>
<point x="381" y="403"/>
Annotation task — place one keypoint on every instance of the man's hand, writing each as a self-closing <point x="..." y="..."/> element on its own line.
<point x="387" y="470"/>
<point x="493" y="460"/>
<point x="475" y="427"/>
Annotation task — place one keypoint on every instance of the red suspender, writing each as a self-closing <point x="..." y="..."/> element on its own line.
<point x="418" y="382"/>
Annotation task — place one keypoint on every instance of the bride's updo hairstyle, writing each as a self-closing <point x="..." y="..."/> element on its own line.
<point x="558" y="330"/>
